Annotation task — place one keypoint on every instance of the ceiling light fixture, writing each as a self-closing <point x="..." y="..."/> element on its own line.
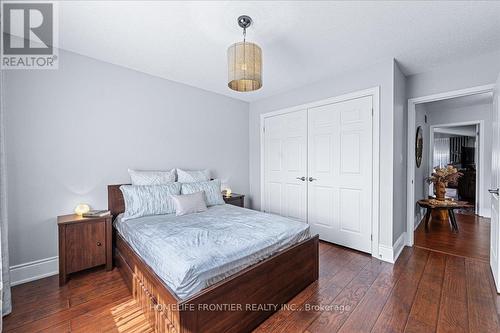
<point x="244" y="60"/>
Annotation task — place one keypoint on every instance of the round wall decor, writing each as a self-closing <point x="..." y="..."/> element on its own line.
<point x="419" y="146"/>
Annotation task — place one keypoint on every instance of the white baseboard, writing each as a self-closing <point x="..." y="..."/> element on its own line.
<point x="419" y="220"/>
<point x="391" y="253"/>
<point x="33" y="270"/>
<point x="385" y="253"/>
<point x="419" y="217"/>
<point x="399" y="245"/>
<point x="485" y="212"/>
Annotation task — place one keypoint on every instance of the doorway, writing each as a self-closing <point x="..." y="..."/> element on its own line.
<point x="457" y="133"/>
<point x="460" y="145"/>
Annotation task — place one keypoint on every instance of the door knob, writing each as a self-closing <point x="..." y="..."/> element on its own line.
<point x="99" y="244"/>
<point x="302" y="178"/>
<point x="311" y="179"/>
<point x="493" y="191"/>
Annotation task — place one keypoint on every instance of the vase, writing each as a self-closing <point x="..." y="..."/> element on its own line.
<point x="440" y="190"/>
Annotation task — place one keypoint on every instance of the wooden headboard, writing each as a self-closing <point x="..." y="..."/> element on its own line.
<point x="116" y="204"/>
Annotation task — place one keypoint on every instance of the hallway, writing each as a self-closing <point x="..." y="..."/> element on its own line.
<point x="471" y="241"/>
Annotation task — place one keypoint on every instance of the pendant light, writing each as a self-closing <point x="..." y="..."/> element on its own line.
<point x="244" y="60"/>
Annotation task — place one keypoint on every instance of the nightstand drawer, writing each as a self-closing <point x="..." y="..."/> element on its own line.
<point x="235" y="200"/>
<point x="85" y="245"/>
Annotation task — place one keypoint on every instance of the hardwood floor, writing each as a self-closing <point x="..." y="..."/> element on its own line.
<point x="97" y="301"/>
<point x="424" y="291"/>
<point x="471" y="241"/>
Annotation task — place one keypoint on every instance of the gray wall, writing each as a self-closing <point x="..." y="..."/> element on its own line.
<point x="400" y="155"/>
<point x="459" y="75"/>
<point x="72" y="131"/>
<point x="379" y="75"/>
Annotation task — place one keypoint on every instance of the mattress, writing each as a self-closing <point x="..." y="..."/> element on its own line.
<point x="192" y="252"/>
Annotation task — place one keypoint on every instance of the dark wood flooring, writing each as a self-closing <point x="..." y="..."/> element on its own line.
<point x="96" y="301"/>
<point x="425" y="291"/>
<point x="471" y="241"/>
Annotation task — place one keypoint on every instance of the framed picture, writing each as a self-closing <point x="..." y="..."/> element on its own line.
<point x="419" y="146"/>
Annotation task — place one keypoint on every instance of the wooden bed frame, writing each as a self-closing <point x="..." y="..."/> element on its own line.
<point x="238" y="303"/>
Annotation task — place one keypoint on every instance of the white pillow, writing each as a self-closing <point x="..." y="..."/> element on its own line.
<point x="184" y="176"/>
<point x="145" y="200"/>
<point x="211" y="189"/>
<point x="189" y="203"/>
<point x="151" y="177"/>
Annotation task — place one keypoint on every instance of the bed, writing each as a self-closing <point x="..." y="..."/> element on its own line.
<point x="184" y="283"/>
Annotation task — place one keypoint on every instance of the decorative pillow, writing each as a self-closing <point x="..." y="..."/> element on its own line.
<point x="184" y="176"/>
<point x="145" y="200"/>
<point x="189" y="203"/>
<point x="151" y="177"/>
<point x="213" y="194"/>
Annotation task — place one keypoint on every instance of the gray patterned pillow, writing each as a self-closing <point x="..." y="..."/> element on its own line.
<point x="213" y="194"/>
<point x="145" y="200"/>
<point x="139" y="177"/>
<point x="185" y="176"/>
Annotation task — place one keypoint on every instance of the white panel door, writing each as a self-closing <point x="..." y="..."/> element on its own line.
<point x="495" y="185"/>
<point x="340" y="172"/>
<point x="285" y="165"/>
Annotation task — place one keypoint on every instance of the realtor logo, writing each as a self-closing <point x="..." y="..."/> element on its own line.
<point x="29" y="35"/>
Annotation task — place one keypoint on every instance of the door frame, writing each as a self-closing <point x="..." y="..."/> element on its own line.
<point x="479" y="158"/>
<point x="375" y="94"/>
<point x="410" y="172"/>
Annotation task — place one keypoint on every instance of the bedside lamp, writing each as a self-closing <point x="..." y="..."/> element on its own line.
<point x="228" y="192"/>
<point x="81" y="209"/>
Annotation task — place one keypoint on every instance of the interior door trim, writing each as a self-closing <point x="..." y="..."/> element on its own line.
<point x="410" y="171"/>
<point x="375" y="94"/>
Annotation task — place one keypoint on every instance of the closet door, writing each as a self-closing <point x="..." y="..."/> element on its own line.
<point x="340" y="172"/>
<point x="285" y="165"/>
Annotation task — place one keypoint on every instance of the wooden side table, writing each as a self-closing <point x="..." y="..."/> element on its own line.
<point x="83" y="243"/>
<point x="448" y="205"/>
<point x="235" y="199"/>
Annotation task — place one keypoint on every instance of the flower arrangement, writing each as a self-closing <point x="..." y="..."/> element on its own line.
<point x="440" y="177"/>
<point x="444" y="175"/>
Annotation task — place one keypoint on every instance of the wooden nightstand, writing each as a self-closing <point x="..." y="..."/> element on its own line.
<point x="83" y="243"/>
<point x="235" y="199"/>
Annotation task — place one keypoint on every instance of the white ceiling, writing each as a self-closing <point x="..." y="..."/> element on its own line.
<point x="302" y="42"/>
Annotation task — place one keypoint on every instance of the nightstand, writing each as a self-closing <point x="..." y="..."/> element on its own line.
<point x="235" y="199"/>
<point x="83" y="243"/>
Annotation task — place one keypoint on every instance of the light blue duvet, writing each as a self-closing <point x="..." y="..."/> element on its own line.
<point x="192" y="252"/>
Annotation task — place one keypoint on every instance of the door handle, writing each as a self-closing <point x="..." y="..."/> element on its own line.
<point x="312" y="179"/>
<point x="302" y="178"/>
<point x="493" y="191"/>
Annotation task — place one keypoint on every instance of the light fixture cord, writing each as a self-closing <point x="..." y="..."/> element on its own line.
<point x="244" y="34"/>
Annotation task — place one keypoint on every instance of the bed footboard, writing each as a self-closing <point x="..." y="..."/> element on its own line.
<point x="157" y="302"/>
<point x="236" y="304"/>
